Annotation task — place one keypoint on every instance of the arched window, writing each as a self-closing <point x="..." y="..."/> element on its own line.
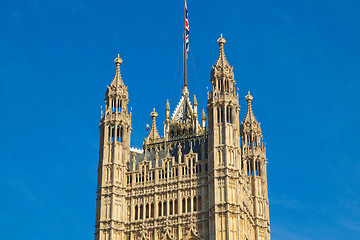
<point x="175" y="207"/>
<point x="183" y="206"/>
<point x="141" y="211"/>
<point x="160" y="209"/>
<point x="189" y="205"/>
<point x="171" y="208"/>
<point x="118" y="133"/>
<point x="121" y="133"/>
<point x="259" y="169"/>
<point x="165" y="208"/>
<point x="219" y="114"/>
<point x="229" y="114"/>
<point x="136" y="212"/>
<point x="152" y="210"/>
<point x="111" y="134"/>
<point x="147" y="213"/>
<point x="199" y="203"/>
<point x="195" y="204"/>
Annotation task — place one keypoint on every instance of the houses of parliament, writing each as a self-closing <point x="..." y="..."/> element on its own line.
<point x="204" y="179"/>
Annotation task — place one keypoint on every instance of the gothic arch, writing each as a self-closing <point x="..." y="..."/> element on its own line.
<point x="167" y="236"/>
<point x="192" y="236"/>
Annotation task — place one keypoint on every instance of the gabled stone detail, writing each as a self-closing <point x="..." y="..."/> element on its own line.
<point x="184" y="120"/>
<point x="153" y="136"/>
<point x="192" y="235"/>
<point x="198" y="182"/>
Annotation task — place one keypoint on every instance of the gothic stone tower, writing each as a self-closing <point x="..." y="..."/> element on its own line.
<point x="196" y="182"/>
<point x="114" y="158"/>
<point x="224" y="151"/>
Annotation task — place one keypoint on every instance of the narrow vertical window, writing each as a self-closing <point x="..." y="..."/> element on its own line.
<point x="176" y="207"/>
<point x="199" y="203"/>
<point x="160" y="209"/>
<point x="118" y="133"/>
<point x="259" y="171"/>
<point x="141" y="211"/>
<point x="189" y="205"/>
<point x="165" y="208"/>
<point x="152" y="210"/>
<point x="219" y="115"/>
<point x="147" y="211"/>
<point x="195" y="204"/>
<point x="136" y="212"/>
<point x="222" y="114"/>
<point x="183" y="206"/>
<point x="171" y="208"/>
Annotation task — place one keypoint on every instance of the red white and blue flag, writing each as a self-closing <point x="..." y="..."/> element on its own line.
<point x="186" y="30"/>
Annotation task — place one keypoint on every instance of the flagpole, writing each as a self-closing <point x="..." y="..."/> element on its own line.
<point x="184" y="53"/>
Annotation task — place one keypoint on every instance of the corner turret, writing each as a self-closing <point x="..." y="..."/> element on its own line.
<point x="114" y="160"/>
<point x="254" y="164"/>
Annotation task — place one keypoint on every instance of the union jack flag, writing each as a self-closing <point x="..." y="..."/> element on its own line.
<point x="186" y="30"/>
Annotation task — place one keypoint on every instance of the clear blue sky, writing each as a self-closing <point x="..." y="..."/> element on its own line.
<point x="299" y="59"/>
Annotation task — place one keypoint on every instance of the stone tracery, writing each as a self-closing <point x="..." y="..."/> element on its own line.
<point x="198" y="181"/>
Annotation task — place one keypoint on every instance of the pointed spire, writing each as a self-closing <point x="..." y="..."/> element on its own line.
<point x="203" y="116"/>
<point x="167" y="105"/>
<point x="167" y="111"/>
<point x="222" y="75"/>
<point x="250" y="117"/>
<point x="203" y="119"/>
<point x="195" y="106"/>
<point x="153" y="135"/>
<point x="222" y="59"/>
<point x="195" y="101"/>
<point x="117" y="81"/>
<point x="250" y="127"/>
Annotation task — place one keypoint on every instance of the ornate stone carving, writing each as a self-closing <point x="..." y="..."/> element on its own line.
<point x="203" y="181"/>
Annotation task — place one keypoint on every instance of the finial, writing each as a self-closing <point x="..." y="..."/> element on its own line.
<point x="118" y="60"/>
<point x="221" y="41"/>
<point x="195" y="100"/>
<point x="153" y="114"/>
<point x="248" y="97"/>
<point x="117" y="79"/>
<point x="222" y="62"/>
<point x="185" y="91"/>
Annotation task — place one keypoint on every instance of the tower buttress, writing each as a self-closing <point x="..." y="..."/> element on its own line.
<point x="224" y="150"/>
<point x="114" y="160"/>
<point x="254" y="167"/>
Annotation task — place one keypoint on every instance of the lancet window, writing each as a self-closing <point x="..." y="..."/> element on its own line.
<point x="229" y="112"/>
<point x="160" y="209"/>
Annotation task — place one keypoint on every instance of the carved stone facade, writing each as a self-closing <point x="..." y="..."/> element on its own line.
<point x="195" y="182"/>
